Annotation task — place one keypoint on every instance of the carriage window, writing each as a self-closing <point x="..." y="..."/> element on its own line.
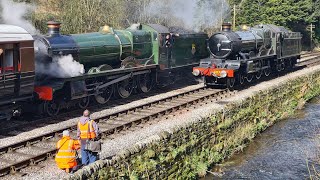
<point x="8" y="61"/>
<point x="1" y="60"/>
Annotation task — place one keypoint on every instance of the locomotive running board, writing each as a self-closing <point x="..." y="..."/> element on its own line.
<point x="123" y="78"/>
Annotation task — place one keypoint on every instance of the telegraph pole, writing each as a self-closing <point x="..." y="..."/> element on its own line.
<point x="311" y="27"/>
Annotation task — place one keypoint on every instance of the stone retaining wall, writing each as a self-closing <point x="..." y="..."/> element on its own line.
<point x="189" y="151"/>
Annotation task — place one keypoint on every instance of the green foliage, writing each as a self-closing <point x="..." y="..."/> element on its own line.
<point x="292" y="14"/>
<point x="80" y="16"/>
<point x="202" y="169"/>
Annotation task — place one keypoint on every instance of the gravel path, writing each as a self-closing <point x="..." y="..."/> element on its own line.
<point x="148" y="133"/>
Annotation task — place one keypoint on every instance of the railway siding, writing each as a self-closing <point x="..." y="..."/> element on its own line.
<point x="209" y="134"/>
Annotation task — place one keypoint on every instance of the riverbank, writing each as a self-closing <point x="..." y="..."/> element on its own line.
<point x="287" y="150"/>
<point x="210" y="134"/>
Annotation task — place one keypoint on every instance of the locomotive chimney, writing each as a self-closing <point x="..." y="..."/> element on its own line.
<point x="226" y="26"/>
<point x="53" y="28"/>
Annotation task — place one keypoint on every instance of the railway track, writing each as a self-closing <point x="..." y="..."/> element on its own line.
<point x="309" y="59"/>
<point x="31" y="151"/>
<point x="307" y="54"/>
<point x="14" y="127"/>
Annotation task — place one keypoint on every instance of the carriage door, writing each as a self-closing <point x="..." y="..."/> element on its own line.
<point x="9" y="71"/>
<point x="165" y="51"/>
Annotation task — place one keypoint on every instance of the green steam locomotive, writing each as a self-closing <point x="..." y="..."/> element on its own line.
<point x="115" y="62"/>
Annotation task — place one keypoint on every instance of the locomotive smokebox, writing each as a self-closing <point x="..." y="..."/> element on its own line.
<point x="226" y="27"/>
<point x="53" y="28"/>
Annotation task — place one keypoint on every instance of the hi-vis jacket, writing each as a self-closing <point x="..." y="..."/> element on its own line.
<point x="87" y="130"/>
<point x="66" y="156"/>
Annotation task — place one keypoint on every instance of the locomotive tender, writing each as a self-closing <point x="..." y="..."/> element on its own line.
<point x="238" y="57"/>
<point x="115" y="62"/>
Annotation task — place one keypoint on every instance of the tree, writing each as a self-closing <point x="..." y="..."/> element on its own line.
<point x="292" y="14"/>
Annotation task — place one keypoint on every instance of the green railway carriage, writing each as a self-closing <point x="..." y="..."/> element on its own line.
<point x="116" y="62"/>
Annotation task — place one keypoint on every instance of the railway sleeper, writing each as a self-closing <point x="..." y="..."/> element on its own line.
<point x="14" y="171"/>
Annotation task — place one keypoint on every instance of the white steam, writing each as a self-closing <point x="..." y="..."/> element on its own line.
<point x="135" y="26"/>
<point x="13" y="13"/>
<point x="192" y="14"/>
<point x="61" y="67"/>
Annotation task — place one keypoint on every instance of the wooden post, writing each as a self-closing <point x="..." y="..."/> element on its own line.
<point x="234" y="17"/>
<point x="311" y="37"/>
<point x="221" y="15"/>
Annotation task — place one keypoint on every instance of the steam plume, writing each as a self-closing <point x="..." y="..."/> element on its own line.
<point x="191" y="14"/>
<point x="13" y="13"/>
<point x="61" y="67"/>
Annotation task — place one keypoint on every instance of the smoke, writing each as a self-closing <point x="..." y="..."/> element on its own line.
<point x="191" y="14"/>
<point x="61" y="67"/>
<point x="134" y="26"/>
<point x="14" y="13"/>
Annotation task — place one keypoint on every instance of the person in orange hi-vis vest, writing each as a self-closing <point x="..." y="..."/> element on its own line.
<point x="87" y="129"/>
<point x="66" y="158"/>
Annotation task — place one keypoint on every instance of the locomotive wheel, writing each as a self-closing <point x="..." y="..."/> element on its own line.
<point x="145" y="82"/>
<point x="290" y="64"/>
<point x="51" y="108"/>
<point x="267" y="72"/>
<point x="105" y="95"/>
<point x="280" y="65"/>
<point x="129" y="62"/>
<point x="241" y="79"/>
<point x="249" y="77"/>
<point x="125" y="88"/>
<point x="231" y="83"/>
<point x="259" y="73"/>
<point x="84" y="102"/>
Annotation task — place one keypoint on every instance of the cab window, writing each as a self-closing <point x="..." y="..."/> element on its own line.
<point x="155" y="36"/>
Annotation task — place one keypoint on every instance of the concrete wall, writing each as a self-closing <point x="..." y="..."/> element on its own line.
<point x="190" y="151"/>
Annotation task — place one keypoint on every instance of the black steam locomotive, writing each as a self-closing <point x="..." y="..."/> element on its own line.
<point x="238" y="57"/>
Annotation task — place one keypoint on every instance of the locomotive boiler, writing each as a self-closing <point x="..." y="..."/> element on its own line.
<point x="240" y="56"/>
<point x="229" y="44"/>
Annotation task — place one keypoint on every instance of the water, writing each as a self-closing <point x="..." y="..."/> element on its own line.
<point x="281" y="152"/>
